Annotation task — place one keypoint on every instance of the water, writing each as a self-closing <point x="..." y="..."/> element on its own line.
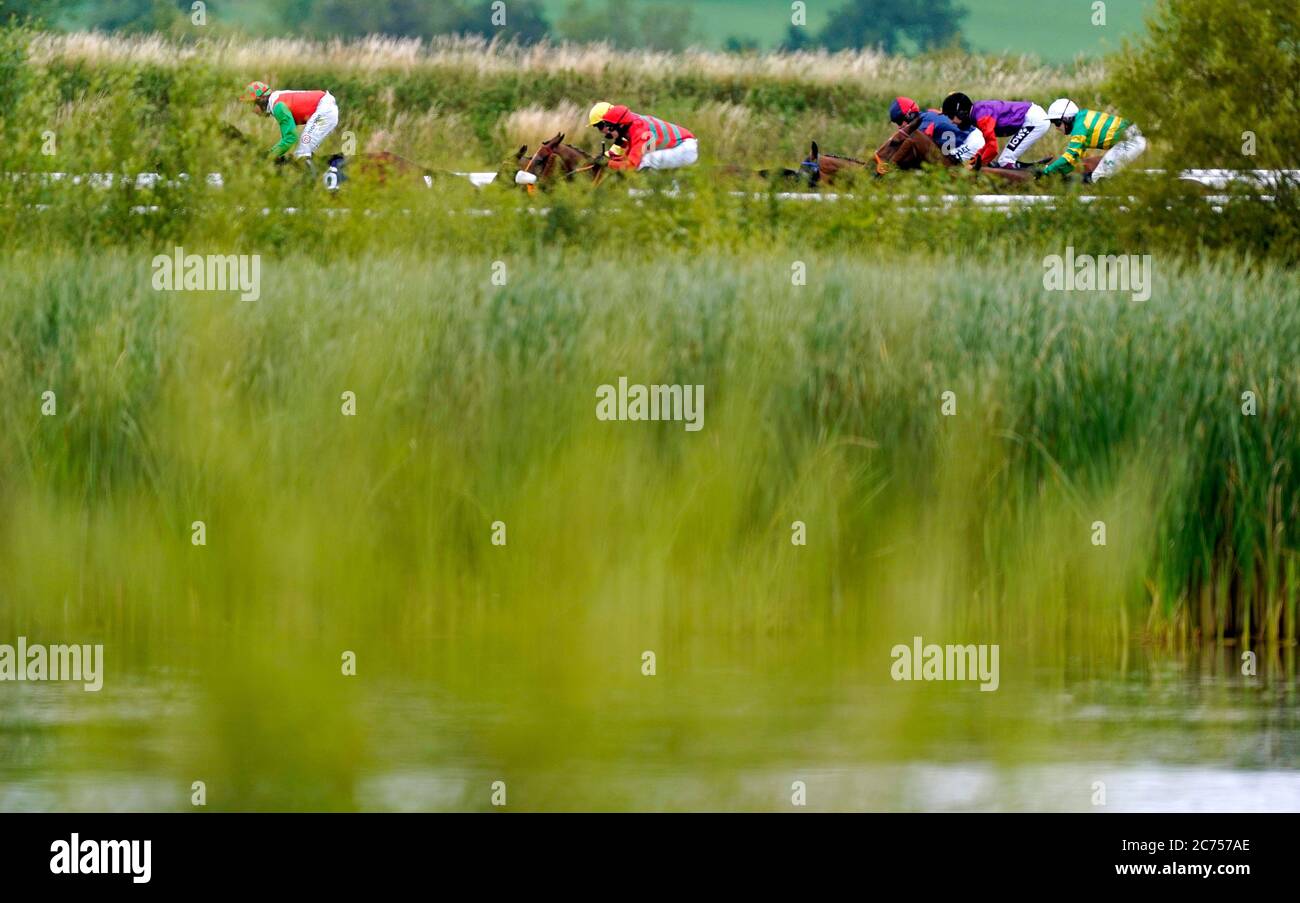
<point x="1183" y="734"/>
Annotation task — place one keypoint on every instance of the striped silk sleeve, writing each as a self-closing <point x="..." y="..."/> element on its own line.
<point x="1074" y="150"/>
<point x="1070" y="157"/>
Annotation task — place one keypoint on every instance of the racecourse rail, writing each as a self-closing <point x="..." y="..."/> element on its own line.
<point x="1210" y="178"/>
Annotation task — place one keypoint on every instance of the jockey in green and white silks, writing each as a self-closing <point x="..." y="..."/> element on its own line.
<point x="316" y="111"/>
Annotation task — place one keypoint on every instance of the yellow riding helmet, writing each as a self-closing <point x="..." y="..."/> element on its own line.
<point x="598" y="113"/>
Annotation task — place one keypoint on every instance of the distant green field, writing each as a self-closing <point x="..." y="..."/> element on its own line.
<point x="1053" y="29"/>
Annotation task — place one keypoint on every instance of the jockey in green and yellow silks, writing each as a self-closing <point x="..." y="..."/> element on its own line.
<point x="1089" y="129"/>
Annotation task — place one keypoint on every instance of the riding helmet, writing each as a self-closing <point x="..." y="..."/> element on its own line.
<point x="1062" y="110"/>
<point x="957" y="104"/>
<point x="903" y="109"/>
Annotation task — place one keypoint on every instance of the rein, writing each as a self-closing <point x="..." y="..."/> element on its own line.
<point x="846" y="159"/>
<point x="549" y="157"/>
<point x="550" y="161"/>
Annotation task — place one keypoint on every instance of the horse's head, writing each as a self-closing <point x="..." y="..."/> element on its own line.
<point x="541" y="165"/>
<point x="822" y="168"/>
<point x="232" y="133"/>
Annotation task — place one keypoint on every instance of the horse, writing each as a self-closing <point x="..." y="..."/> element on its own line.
<point x="555" y="154"/>
<point x="378" y="167"/>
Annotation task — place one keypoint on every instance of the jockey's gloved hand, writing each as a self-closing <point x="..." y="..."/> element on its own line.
<point x="281" y="160"/>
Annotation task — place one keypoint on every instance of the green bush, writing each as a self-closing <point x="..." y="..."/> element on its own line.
<point x="1208" y="72"/>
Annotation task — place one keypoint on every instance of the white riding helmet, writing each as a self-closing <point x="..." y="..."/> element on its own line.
<point x="1062" y="109"/>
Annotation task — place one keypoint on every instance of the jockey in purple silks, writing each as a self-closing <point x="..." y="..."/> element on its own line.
<point x="1023" y="122"/>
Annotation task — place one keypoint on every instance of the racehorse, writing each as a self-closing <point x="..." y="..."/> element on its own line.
<point x="555" y="159"/>
<point x="555" y="155"/>
<point x="378" y="167"/>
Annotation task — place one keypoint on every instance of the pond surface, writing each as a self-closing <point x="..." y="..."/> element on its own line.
<point x="1173" y="734"/>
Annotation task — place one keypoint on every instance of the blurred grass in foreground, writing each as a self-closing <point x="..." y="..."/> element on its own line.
<point x="476" y="403"/>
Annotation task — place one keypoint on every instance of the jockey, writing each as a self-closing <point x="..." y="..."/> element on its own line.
<point x="643" y="142"/>
<point x="953" y="141"/>
<point x="1025" y="123"/>
<point x="1121" y="139"/>
<point x="316" y="111"/>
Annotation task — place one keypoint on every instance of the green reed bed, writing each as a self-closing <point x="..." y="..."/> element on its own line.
<point x="477" y="403"/>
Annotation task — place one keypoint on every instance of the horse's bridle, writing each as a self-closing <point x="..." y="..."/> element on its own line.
<point x="546" y="167"/>
<point x="550" y="162"/>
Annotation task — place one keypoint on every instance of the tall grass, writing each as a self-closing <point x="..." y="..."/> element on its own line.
<point x="823" y="405"/>
<point x="476" y="404"/>
<point x="476" y="56"/>
<point x="406" y="90"/>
